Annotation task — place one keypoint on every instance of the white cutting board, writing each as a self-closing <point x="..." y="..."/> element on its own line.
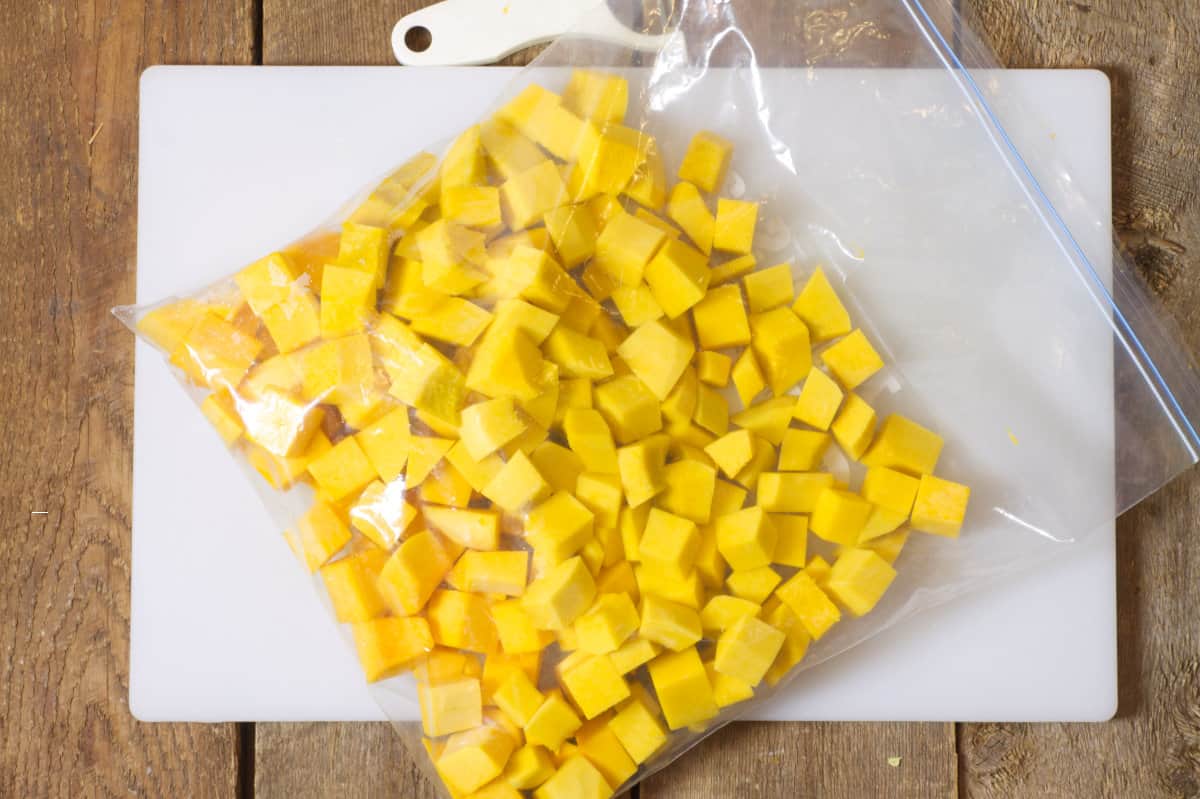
<point x="225" y="626"/>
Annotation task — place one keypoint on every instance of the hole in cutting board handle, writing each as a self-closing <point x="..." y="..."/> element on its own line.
<point x="418" y="38"/>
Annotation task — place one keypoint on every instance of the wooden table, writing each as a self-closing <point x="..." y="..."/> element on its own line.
<point x="68" y="155"/>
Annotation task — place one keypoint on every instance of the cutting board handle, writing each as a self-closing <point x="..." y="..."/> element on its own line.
<point x="456" y="32"/>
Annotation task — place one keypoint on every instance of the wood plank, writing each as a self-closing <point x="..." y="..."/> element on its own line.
<point x="344" y="32"/>
<point x="68" y="158"/>
<point x="1150" y="52"/>
<point x="354" y="760"/>
<point x="764" y="759"/>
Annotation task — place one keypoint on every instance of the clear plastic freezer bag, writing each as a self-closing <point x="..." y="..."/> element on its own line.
<point x="648" y="392"/>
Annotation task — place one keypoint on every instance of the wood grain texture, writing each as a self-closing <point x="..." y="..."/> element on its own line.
<point x="353" y="760"/>
<point x="68" y="157"/>
<point x="1151" y="53"/>
<point x="344" y="32"/>
<point x="814" y="761"/>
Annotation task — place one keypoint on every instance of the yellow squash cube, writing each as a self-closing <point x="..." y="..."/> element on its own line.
<point x="473" y="528"/>
<point x="507" y="363"/>
<point x="560" y="466"/>
<point x="764" y="456"/>
<point x="462" y="165"/>
<point x="630" y="525"/>
<point x="600" y="745"/>
<point x="706" y="160"/>
<point x="424" y="454"/>
<point x="576" y="778"/>
<point x="791" y="545"/>
<point x="795" y="645"/>
<point x="596" y="95"/>
<point x="413" y="571"/>
<point x="904" y="445"/>
<point x="753" y="585"/>
<point x="625" y="246"/>
<point x="473" y="206"/>
<point x="657" y="355"/>
<point x="678" y="275"/>
<point x="508" y="151"/>
<point x="601" y="494"/>
<point x="671" y="624"/>
<point x="689" y="491"/>
<point x="594" y="685"/>
<point x="854" y="426"/>
<point x="713" y="368"/>
<point x="517" y="484"/>
<point x="426" y="380"/>
<point x="552" y="724"/>
<point x="496" y="572"/>
<point x="629" y="407"/>
<point x="636" y="304"/>
<point x="821" y="310"/>
<point x="712" y="412"/>
<point x="710" y="566"/>
<point x="641" y="467"/>
<point x="669" y="544"/>
<point x="723" y="610"/>
<point x="732" y="269"/>
<point x="637" y="727"/>
<point x="385" y="442"/>
<point x="451" y="706"/>
<point x="578" y="355"/>
<point x="688" y="209"/>
<point x="589" y="437"/>
<point x="343" y="470"/>
<point x="733" y="230"/>
<point x="792" y="492"/>
<point x="727" y="690"/>
<point x="746" y="538"/>
<point x="527" y="196"/>
<point x="389" y="645"/>
<point x="780" y="341"/>
<point x="689" y="591"/>
<point x="819" y="400"/>
<point x="814" y="608"/>
<point x="528" y="767"/>
<point x="216" y="353"/>
<point x="559" y="527"/>
<point x="890" y="489"/>
<point x="721" y="320"/>
<point x="633" y="653"/>
<point x="682" y="687"/>
<point x="488" y="426"/>
<point x="607" y="624"/>
<point x="732" y="451"/>
<point x="859" y="579"/>
<point x="264" y="283"/>
<point x="680" y="404"/>
<point x="769" y="288"/>
<point x="529" y="319"/>
<point x="803" y="450"/>
<point x="452" y="320"/>
<point x="519" y="697"/>
<point x="560" y="596"/>
<point x="451" y="256"/>
<point x="747" y="377"/>
<point x="747" y="649"/>
<point x="649" y="184"/>
<point x="350" y="583"/>
<point x="940" y="506"/>
<point x="610" y="161"/>
<point x="839" y="516"/>
<point x="295" y="321"/>
<point x="461" y="620"/>
<point x="220" y="409"/>
<point x="516" y="630"/>
<point x="321" y="533"/>
<point x="573" y="231"/>
<point x="473" y="758"/>
<point x="852" y="359"/>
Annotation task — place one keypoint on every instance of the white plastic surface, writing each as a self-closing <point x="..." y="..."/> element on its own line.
<point x="225" y="625"/>
<point x="484" y="31"/>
